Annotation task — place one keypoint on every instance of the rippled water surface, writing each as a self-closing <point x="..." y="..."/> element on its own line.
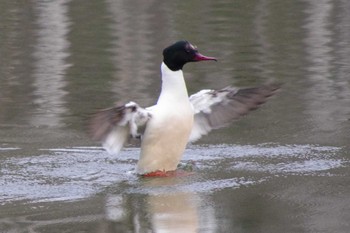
<point x="283" y="168"/>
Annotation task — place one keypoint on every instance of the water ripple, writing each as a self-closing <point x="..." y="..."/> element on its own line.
<point x="79" y="172"/>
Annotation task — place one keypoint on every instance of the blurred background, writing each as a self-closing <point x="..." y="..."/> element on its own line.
<point x="62" y="60"/>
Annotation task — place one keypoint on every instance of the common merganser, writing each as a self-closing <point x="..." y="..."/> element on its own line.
<point x="176" y="119"/>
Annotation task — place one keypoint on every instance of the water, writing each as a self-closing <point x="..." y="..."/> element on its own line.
<point x="283" y="168"/>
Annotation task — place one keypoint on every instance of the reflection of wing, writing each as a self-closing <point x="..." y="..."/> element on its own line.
<point x="113" y="126"/>
<point x="217" y="108"/>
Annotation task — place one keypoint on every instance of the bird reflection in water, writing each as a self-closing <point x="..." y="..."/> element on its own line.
<point x="158" y="206"/>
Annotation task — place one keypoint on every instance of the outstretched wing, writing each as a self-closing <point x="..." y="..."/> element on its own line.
<point x="218" y="108"/>
<point x="113" y="126"/>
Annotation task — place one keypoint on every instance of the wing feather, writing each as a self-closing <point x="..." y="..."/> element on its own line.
<point x="113" y="126"/>
<point x="215" y="109"/>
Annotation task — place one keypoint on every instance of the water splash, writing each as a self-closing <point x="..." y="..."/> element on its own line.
<point x="79" y="172"/>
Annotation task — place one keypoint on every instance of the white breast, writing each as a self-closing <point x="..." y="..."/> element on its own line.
<point x="168" y="131"/>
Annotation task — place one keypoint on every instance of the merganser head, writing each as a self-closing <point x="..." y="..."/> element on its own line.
<point x="178" y="54"/>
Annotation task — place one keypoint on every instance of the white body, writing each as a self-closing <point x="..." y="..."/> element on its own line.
<point x="175" y="119"/>
<point x="168" y="130"/>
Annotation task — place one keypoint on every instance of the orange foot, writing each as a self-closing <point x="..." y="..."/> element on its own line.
<point x="163" y="173"/>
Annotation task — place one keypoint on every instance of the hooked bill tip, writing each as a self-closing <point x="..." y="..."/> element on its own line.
<point x="200" y="57"/>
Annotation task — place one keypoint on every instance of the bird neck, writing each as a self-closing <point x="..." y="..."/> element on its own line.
<point x="173" y="85"/>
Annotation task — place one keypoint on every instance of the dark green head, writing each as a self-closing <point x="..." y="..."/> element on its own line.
<point x="177" y="55"/>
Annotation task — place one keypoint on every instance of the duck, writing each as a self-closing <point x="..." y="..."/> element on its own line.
<point x="176" y="119"/>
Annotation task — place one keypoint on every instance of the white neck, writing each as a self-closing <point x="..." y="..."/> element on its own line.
<point x="173" y="85"/>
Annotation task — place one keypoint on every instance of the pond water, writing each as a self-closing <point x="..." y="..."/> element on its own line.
<point x="282" y="168"/>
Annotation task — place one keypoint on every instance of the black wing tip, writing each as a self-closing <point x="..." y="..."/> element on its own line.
<point x="252" y="98"/>
<point x="273" y="86"/>
<point x="265" y="90"/>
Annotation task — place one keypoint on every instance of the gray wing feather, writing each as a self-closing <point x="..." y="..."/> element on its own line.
<point x="114" y="126"/>
<point x="218" y="108"/>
